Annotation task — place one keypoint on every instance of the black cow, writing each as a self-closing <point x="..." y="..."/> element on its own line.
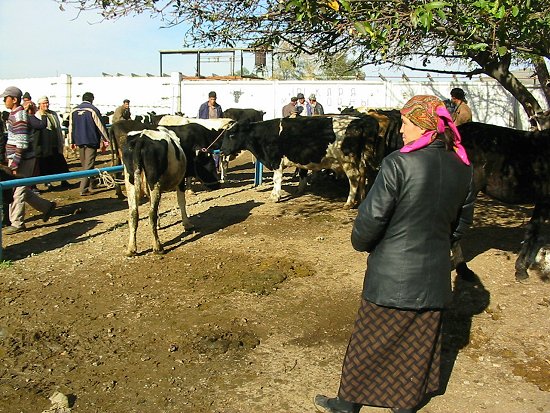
<point x="244" y="115"/>
<point x="157" y="159"/>
<point x="512" y="166"/>
<point x="310" y="143"/>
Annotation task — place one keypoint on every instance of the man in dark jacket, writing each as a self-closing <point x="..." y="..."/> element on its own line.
<point x="210" y="109"/>
<point x="87" y="131"/>
<point x="421" y="200"/>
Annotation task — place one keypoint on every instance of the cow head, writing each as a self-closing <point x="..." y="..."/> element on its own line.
<point x="234" y="138"/>
<point x="205" y="169"/>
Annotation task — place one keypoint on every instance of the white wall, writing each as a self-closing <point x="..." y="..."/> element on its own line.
<point x="490" y="103"/>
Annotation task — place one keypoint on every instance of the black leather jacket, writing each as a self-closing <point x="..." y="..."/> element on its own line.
<point x="419" y="203"/>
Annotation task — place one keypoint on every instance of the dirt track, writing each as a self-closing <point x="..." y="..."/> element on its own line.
<point x="251" y="313"/>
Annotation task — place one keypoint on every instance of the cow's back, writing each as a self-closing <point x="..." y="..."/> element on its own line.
<point x="304" y="140"/>
<point x="510" y="165"/>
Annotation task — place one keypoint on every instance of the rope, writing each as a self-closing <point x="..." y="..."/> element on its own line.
<point x="107" y="180"/>
<point x="214" y="141"/>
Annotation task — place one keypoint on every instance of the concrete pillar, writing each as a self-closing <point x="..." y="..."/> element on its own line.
<point x="64" y="92"/>
<point x="175" y="82"/>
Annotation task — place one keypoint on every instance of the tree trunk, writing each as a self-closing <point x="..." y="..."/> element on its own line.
<point x="499" y="69"/>
<point x="544" y="77"/>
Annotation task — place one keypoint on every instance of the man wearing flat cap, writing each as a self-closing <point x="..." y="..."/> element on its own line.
<point x="313" y="107"/>
<point x="210" y="109"/>
<point x="289" y="110"/>
<point x="301" y="104"/>
<point x="21" y="160"/>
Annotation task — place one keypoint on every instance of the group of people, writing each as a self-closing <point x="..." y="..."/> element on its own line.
<point x="19" y="153"/>
<point x="299" y="107"/>
<point x="35" y="143"/>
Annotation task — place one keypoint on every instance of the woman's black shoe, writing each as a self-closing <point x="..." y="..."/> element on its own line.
<point x="335" y="405"/>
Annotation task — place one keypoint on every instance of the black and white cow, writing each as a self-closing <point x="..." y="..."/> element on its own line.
<point x="513" y="166"/>
<point x="310" y="143"/>
<point x="157" y="159"/>
<point x="389" y="122"/>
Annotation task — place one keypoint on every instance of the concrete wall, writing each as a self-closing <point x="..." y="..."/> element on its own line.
<point x="490" y="103"/>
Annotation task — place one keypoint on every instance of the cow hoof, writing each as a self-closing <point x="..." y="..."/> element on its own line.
<point x="158" y="252"/>
<point x="130" y="253"/>
<point x="188" y="228"/>
<point x="521" y="275"/>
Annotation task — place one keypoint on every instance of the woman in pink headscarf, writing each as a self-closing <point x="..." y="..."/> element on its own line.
<point x="420" y="202"/>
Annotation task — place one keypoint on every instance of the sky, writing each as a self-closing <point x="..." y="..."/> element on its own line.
<point x="52" y="42"/>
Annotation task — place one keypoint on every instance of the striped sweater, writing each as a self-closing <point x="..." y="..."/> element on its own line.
<point x="19" y="145"/>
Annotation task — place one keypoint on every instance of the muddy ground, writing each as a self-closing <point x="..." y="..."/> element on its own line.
<point x="250" y="313"/>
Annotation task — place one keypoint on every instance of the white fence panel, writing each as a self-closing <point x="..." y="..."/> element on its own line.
<point x="489" y="101"/>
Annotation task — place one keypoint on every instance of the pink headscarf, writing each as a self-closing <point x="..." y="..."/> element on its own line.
<point x="429" y="112"/>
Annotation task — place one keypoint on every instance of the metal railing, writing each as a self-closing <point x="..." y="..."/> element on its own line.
<point x="50" y="178"/>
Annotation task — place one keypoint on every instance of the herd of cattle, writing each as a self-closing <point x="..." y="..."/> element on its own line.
<point x="509" y="165"/>
<point x="163" y="153"/>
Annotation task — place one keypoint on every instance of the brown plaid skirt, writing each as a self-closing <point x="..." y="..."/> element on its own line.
<point x="393" y="357"/>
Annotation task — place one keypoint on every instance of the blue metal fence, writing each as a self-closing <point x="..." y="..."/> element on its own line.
<point x="50" y="178"/>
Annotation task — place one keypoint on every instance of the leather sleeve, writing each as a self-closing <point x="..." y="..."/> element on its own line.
<point x="466" y="213"/>
<point x="376" y="210"/>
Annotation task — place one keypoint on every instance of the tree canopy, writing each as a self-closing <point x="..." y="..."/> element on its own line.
<point x="489" y="34"/>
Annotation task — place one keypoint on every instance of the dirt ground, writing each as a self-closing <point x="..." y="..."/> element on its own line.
<point x="250" y="313"/>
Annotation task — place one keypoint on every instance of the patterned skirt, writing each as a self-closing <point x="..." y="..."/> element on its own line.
<point x="393" y="357"/>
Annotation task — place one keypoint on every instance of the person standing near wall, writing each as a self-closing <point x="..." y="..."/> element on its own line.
<point x="122" y="112"/>
<point x="21" y="161"/>
<point x="210" y="109"/>
<point x="87" y="131"/>
<point x="422" y="199"/>
<point x="313" y="107"/>
<point x="289" y="110"/>
<point x="301" y="105"/>
<point x="462" y="113"/>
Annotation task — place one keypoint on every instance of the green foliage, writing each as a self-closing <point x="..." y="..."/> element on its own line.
<point x="5" y="265"/>
<point x="489" y="33"/>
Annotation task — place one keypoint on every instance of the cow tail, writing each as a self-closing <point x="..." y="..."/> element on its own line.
<point x="138" y="163"/>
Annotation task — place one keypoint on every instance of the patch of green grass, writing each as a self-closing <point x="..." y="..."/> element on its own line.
<point x="4" y="265"/>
